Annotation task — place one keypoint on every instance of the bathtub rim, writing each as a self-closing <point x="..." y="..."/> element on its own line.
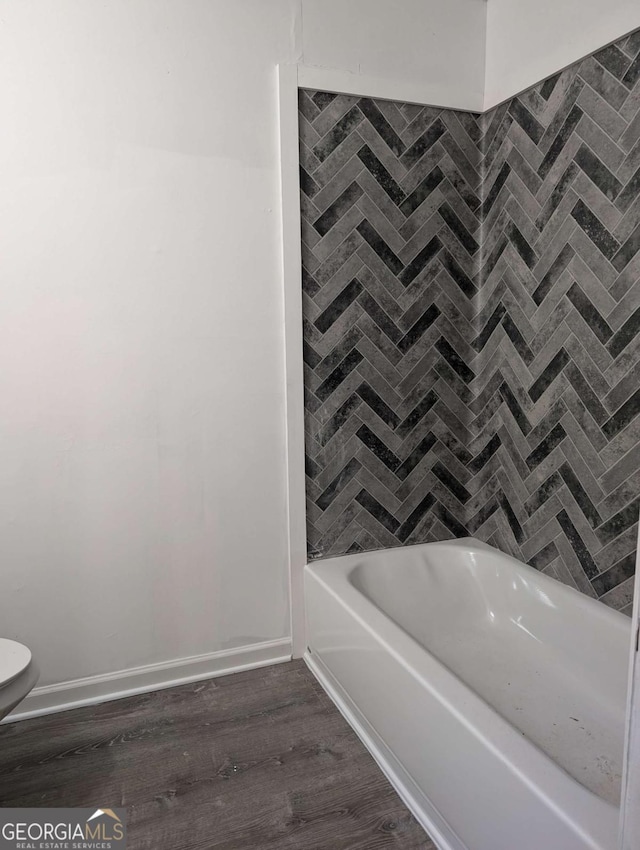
<point x="340" y="562"/>
<point x="544" y="777"/>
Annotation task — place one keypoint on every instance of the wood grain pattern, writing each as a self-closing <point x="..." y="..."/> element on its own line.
<point x="259" y="760"/>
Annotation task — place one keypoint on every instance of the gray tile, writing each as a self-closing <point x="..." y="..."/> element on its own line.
<point x="538" y="194"/>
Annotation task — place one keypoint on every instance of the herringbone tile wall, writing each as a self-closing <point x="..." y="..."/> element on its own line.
<point x="471" y="317"/>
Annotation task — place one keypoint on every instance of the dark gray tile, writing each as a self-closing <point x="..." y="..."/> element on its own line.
<point x="497" y="392"/>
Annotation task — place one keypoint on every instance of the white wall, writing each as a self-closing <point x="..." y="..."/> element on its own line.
<point x="142" y="454"/>
<point x="434" y="48"/>
<point x="528" y="40"/>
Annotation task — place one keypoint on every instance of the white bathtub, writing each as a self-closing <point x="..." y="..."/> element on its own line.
<point x="492" y="696"/>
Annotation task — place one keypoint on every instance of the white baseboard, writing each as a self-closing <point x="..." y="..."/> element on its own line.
<point x="152" y="677"/>
<point x="411" y="795"/>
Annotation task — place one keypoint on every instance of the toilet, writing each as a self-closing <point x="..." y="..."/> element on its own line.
<point x="18" y="674"/>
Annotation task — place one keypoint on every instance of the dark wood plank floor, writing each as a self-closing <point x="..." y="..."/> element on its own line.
<point x="259" y="760"/>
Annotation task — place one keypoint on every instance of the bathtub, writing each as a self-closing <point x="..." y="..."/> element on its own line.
<point x="492" y="696"/>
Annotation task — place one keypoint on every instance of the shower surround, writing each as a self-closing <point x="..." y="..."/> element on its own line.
<point x="471" y="299"/>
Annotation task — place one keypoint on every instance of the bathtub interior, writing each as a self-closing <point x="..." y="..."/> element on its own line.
<point x="547" y="659"/>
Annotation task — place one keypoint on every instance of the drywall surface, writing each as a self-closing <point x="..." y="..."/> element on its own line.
<point x="142" y="436"/>
<point x="435" y="47"/>
<point x="528" y="40"/>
